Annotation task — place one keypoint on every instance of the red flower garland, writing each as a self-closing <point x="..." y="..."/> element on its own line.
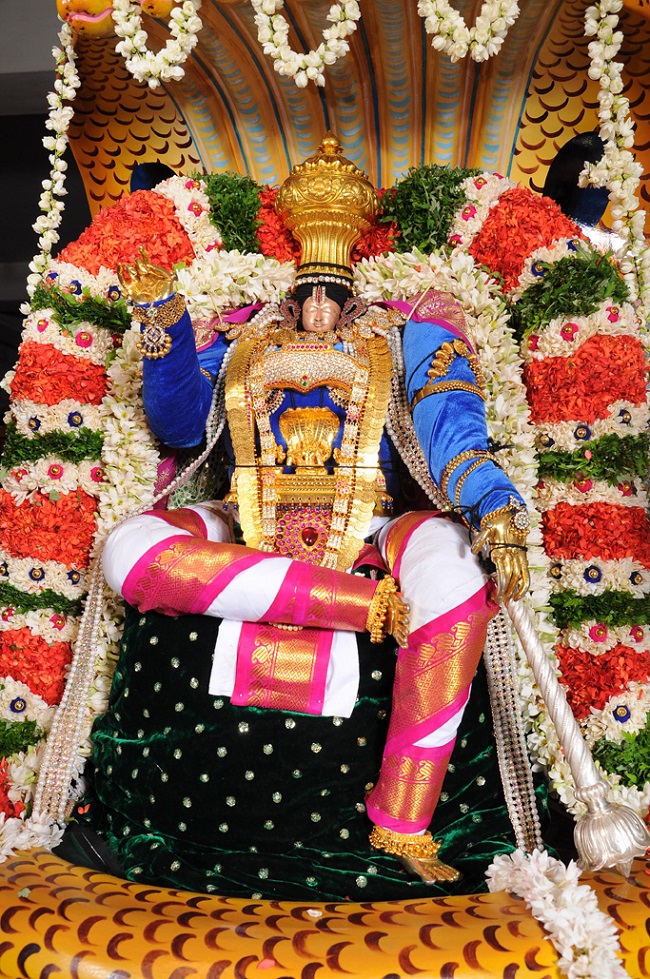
<point x="142" y="219"/>
<point x="581" y="387"/>
<point x="47" y="376"/>
<point x="378" y="240"/>
<point x="518" y="224"/>
<point x="11" y="809"/>
<point x="29" y="659"/>
<point x="49" y="531"/>
<point x="274" y="239"/>
<point x="597" y="530"/>
<point x="592" y="680"/>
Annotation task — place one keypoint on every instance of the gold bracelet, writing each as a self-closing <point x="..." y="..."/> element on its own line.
<point x="378" y="610"/>
<point x="418" y="845"/>
<point x="154" y="342"/>
<point x="463" y="476"/>
<point x="519" y="519"/>
<point x="441" y="387"/>
<point x="458" y="460"/>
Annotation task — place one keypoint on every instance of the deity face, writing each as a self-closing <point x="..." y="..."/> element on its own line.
<point x="320" y="315"/>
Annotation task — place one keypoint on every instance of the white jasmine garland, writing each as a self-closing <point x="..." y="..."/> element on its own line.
<point x="192" y="208"/>
<point x="164" y="65"/>
<point x="617" y="170"/>
<point x="453" y="37"/>
<point x="551" y="492"/>
<point x="273" y="35"/>
<point x="585" y="937"/>
<point x="63" y="579"/>
<point x="482" y="193"/>
<point x="603" y="723"/>
<point x="18" y="702"/>
<point x="66" y="416"/>
<point x="223" y="280"/>
<point x="565" y="334"/>
<point x="638" y="637"/>
<point x="595" y="576"/>
<point x="65" y="85"/>
<point x="53" y="477"/>
<point x="84" y="340"/>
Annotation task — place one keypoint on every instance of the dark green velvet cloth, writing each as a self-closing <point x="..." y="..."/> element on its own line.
<point x="193" y="792"/>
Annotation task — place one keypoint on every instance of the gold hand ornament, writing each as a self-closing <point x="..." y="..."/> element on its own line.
<point x="505" y="531"/>
<point x="398" y="615"/>
<point x="388" y="614"/>
<point x="144" y="282"/>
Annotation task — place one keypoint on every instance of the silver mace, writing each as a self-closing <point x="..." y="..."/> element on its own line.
<point x="606" y="835"/>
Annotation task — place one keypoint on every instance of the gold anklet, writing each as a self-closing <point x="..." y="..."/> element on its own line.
<point x="422" y="846"/>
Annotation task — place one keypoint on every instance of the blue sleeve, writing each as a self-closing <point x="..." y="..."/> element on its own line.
<point x="452" y="422"/>
<point x="176" y="394"/>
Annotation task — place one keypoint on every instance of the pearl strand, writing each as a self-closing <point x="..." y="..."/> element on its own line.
<point x="509" y="735"/>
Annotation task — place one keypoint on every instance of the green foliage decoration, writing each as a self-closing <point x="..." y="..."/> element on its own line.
<point x="234" y="204"/>
<point x="71" y="310"/>
<point x="572" y="286"/>
<point x="423" y="204"/>
<point x="629" y="758"/>
<point x="18" y="736"/>
<point x="75" y="446"/>
<point x="612" y="608"/>
<point x="612" y="458"/>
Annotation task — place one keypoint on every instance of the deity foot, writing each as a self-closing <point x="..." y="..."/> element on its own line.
<point x="417" y="852"/>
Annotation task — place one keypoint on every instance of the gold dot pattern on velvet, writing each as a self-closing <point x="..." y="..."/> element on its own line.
<point x="223" y="793"/>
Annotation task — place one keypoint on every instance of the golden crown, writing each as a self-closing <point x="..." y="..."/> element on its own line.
<point x="328" y="203"/>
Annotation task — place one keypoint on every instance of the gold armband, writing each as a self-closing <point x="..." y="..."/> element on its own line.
<point x="441" y="387"/>
<point x="378" y="611"/>
<point x="154" y="342"/>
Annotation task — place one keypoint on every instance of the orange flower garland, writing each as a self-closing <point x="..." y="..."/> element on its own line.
<point x="517" y="225"/>
<point x="47" y="376"/>
<point x="592" y="680"/>
<point x="597" y="530"/>
<point x="116" y="234"/>
<point x="581" y="387"/>
<point x="49" y="531"/>
<point x="28" y="658"/>
<point x="7" y="806"/>
<point x="274" y="239"/>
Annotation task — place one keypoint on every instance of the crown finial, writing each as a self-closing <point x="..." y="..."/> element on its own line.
<point x="328" y="203"/>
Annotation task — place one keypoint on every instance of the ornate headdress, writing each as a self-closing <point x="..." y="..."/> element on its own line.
<point x="328" y="203"/>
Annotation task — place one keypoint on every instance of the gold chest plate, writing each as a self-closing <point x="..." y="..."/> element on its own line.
<point x="310" y="501"/>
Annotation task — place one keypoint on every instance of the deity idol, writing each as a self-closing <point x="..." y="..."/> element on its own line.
<point x="328" y="408"/>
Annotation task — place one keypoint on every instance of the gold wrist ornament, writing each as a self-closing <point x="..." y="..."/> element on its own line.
<point x="154" y="342"/>
<point x="378" y="612"/>
<point x="505" y="531"/>
<point x="509" y="524"/>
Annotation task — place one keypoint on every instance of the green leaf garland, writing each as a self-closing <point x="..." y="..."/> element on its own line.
<point x="76" y="446"/>
<point x="612" y="608"/>
<point x="234" y="205"/>
<point x="572" y="286"/>
<point x="423" y="204"/>
<point x="612" y="458"/>
<point x="71" y="310"/>
<point x="18" y="736"/>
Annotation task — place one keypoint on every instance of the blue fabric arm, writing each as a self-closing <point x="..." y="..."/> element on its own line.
<point x="450" y="423"/>
<point x="176" y="394"/>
